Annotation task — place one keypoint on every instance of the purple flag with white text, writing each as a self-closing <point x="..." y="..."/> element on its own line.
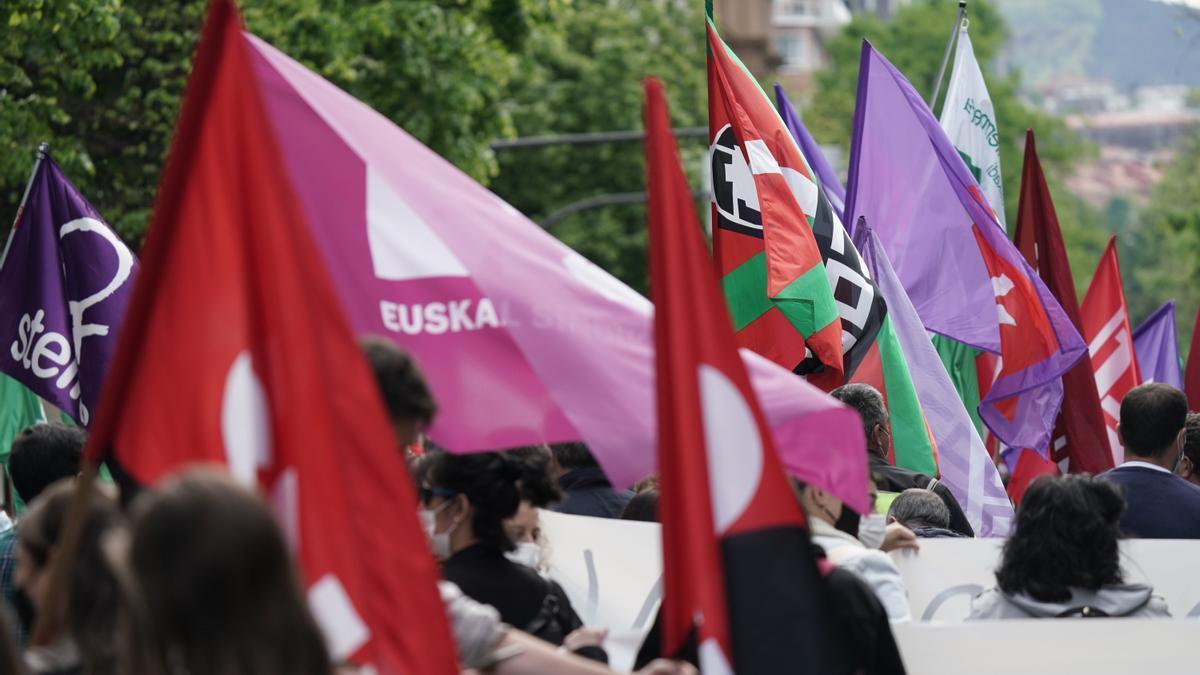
<point x="65" y="281"/>
<point x="966" y="466"/>
<point x="1157" y="348"/>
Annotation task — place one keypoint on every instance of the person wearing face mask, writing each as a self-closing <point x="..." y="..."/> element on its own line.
<point x="852" y="543"/>
<point x="1159" y="504"/>
<point x="526" y="535"/>
<point x="466" y="500"/>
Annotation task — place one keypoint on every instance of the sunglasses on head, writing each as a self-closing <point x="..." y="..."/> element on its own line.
<point x="428" y="493"/>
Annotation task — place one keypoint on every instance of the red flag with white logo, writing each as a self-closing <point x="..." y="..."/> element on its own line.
<point x="1110" y="342"/>
<point x="235" y="350"/>
<point x="739" y="572"/>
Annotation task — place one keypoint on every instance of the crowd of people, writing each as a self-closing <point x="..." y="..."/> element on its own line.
<point x="195" y="576"/>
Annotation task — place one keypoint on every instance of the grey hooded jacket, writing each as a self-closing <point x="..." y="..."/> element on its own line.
<point x="1125" y="600"/>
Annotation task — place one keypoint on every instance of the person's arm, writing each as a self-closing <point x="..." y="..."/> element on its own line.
<point x="536" y="657"/>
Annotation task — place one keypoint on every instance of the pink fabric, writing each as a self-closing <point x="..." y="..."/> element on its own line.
<point x="570" y="355"/>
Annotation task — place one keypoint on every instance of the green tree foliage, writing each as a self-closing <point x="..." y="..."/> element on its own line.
<point x="1160" y="255"/>
<point x="102" y="80"/>
<point x="588" y="77"/>
<point x="1053" y="38"/>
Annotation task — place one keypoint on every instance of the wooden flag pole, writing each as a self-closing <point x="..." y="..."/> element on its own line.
<point x="937" y="84"/>
<point x="51" y="616"/>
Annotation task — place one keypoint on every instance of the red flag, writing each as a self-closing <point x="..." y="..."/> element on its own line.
<point x="1110" y="342"/>
<point x="738" y="566"/>
<point x="1029" y="465"/>
<point x="1191" y="377"/>
<point x="770" y="264"/>
<point x="1077" y="435"/>
<point x="236" y="351"/>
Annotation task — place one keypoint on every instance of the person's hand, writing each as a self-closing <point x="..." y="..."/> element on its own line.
<point x="665" y="667"/>
<point x="585" y="637"/>
<point x="897" y="537"/>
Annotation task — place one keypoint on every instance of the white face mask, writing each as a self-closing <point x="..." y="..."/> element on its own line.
<point x="872" y="529"/>
<point x="439" y="542"/>
<point x="527" y="553"/>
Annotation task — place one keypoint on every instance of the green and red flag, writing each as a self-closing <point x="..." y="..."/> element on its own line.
<point x="733" y="534"/>
<point x="780" y="298"/>
<point x="886" y="368"/>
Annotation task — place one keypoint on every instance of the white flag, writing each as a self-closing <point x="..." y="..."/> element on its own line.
<point x="970" y="121"/>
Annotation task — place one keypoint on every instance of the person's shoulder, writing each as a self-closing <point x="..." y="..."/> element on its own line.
<point x="899" y="478"/>
<point x="992" y="604"/>
<point x="868" y="561"/>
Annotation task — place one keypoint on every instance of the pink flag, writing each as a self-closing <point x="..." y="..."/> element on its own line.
<point x="523" y="340"/>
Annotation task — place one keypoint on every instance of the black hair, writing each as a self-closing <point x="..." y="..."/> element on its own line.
<point x="643" y="506"/>
<point x="573" y="456"/>
<point x="867" y="401"/>
<point x="405" y="392"/>
<point x="918" y="507"/>
<point x="42" y="455"/>
<point x="1066" y="537"/>
<point x="494" y="483"/>
<point x="1151" y="417"/>
<point x="539" y="490"/>
<point x="1191" y="439"/>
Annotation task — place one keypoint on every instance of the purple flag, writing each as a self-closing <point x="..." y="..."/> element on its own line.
<point x="966" y="280"/>
<point x="834" y="190"/>
<point x="965" y="464"/>
<point x="65" y="281"/>
<point x="1157" y="348"/>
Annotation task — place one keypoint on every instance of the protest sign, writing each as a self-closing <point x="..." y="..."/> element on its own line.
<point x="945" y="574"/>
<point x="612" y="572"/>
<point x="1109" y="647"/>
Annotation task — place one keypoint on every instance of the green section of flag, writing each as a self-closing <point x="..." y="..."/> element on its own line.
<point x="975" y="171"/>
<point x="746" y="291"/>
<point x="910" y="434"/>
<point x="959" y="360"/>
<point x="19" y="408"/>
<point x="808" y="302"/>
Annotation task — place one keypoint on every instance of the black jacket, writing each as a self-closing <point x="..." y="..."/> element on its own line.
<point x="897" y="479"/>
<point x="1158" y="505"/>
<point x="525" y="599"/>
<point x="587" y="492"/>
<point x="856" y="612"/>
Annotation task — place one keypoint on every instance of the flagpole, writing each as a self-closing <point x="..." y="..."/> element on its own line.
<point x="937" y="84"/>
<point x="43" y="151"/>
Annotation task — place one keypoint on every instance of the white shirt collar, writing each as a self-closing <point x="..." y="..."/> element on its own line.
<point x="1144" y="465"/>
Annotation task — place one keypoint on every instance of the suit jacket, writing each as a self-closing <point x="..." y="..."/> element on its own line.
<point x="1158" y="505"/>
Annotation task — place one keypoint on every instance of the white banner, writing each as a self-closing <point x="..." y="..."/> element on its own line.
<point x="612" y="572"/>
<point x="970" y="121"/>
<point x="945" y="574"/>
<point x="1058" y="646"/>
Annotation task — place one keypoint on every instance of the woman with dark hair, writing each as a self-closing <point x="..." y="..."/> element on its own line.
<point x="213" y="588"/>
<point x="1063" y="560"/>
<point x="85" y="645"/>
<point x="466" y="500"/>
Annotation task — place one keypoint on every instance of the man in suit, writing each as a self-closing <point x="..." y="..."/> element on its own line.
<point x="869" y="403"/>
<point x="1158" y="503"/>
